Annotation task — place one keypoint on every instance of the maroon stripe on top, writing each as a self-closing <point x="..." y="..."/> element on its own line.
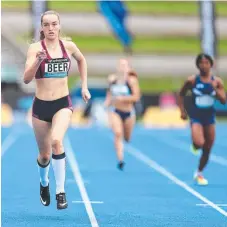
<point x="45" y="48"/>
<point x="65" y="55"/>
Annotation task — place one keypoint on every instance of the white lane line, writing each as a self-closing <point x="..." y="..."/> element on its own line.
<point x="9" y="141"/>
<point x="79" y="180"/>
<point x="154" y="165"/>
<point x="94" y="202"/>
<point x="206" y="205"/>
<point x="181" y="145"/>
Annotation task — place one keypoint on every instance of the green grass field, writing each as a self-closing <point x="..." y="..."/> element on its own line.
<point x="170" y="45"/>
<point x="135" y="7"/>
<point x="146" y="45"/>
<point x="153" y="84"/>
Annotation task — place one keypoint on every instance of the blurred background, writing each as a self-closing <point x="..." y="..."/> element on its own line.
<point x="160" y="38"/>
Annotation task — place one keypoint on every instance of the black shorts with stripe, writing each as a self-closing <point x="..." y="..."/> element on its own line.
<point x="45" y="110"/>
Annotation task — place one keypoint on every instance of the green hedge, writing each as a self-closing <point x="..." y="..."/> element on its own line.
<point x="135" y="7"/>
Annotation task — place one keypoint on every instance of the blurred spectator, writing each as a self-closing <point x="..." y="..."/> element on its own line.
<point x="115" y="13"/>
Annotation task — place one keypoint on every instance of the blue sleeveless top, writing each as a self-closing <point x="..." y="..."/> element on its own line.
<point x="203" y="99"/>
<point x="120" y="89"/>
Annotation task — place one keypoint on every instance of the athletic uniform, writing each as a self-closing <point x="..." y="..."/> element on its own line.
<point x="117" y="89"/>
<point x="45" y="110"/>
<point x="203" y="113"/>
<point x="52" y="68"/>
<point x="203" y="95"/>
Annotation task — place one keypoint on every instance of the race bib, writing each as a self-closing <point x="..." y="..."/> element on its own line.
<point x="204" y="101"/>
<point x="56" y="68"/>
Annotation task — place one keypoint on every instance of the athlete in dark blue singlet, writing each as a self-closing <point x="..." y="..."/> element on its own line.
<point x="205" y="89"/>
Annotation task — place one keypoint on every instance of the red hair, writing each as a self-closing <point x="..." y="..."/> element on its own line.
<point x="132" y="73"/>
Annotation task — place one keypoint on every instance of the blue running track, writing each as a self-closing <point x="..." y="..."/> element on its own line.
<point x="156" y="189"/>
